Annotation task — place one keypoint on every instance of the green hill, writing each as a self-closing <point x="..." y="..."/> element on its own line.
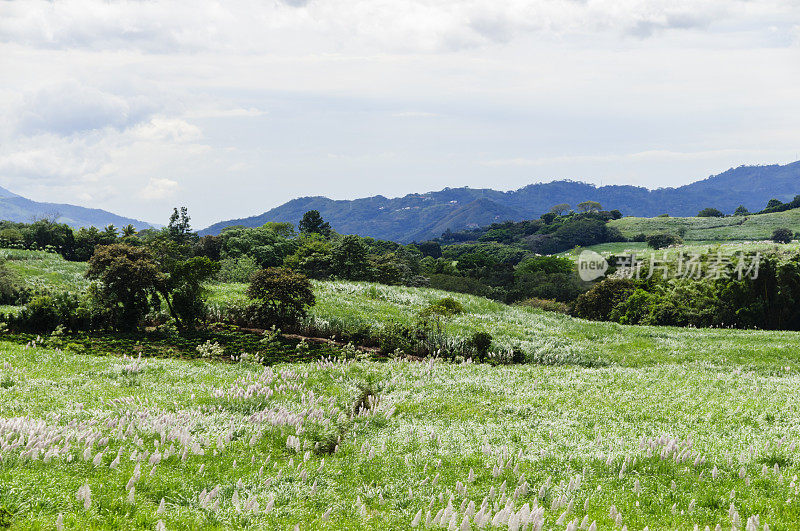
<point x="424" y="216"/>
<point x="545" y="337"/>
<point x="750" y="227"/>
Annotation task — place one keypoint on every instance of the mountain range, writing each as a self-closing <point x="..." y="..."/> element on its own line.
<point x="14" y="207"/>
<point x="417" y="217"/>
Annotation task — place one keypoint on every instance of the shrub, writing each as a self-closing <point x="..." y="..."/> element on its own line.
<point x="45" y="313"/>
<point x="280" y="296"/>
<point x="396" y="336"/>
<point x="446" y="307"/>
<point x="598" y="302"/>
<point x="710" y="213"/>
<point x="481" y="342"/>
<point x="210" y="349"/>
<point x="39" y="315"/>
<point x="782" y="235"/>
<point x="12" y="292"/>
<point x="659" y="241"/>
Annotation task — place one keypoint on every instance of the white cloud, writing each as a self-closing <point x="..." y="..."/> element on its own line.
<point x="161" y="129"/>
<point x="71" y="107"/>
<point x="159" y="189"/>
<point x="254" y="26"/>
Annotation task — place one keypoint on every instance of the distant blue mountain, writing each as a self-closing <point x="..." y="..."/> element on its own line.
<point x="423" y="216"/>
<point x="17" y="208"/>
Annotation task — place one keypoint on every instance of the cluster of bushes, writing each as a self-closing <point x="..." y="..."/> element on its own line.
<point x="75" y="245"/>
<point x="554" y="232"/>
<point x="316" y="251"/>
<point x="768" y="300"/>
<point x="773" y="205"/>
<point x="522" y="276"/>
<point x="506" y="262"/>
<point x="428" y="336"/>
<point x="776" y="205"/>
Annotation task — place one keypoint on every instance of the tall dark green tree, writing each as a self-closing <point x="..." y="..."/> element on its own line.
<point x="349" y="259"/>
<point x="182" y="289"/>
<point x="179" y="227"/>
<point x="312" y="222"/>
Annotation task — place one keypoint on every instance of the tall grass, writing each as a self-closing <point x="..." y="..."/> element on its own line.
<point x="750" y="227"/>
<point x="46" y="271"/>
<point x="545" y="337"/>
<point x="103" y="442"/>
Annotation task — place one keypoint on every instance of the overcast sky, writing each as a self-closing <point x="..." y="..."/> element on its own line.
<point x="234" y="107"/>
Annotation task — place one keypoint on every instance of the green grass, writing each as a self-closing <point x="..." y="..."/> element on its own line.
<point x="750" y="227"/>
<point x="702" y="247"/>
<point x="546" y="337"/>
<point x="669" y="427"/>
<point x="510" y="425"/>
<point x="43" y="270"/>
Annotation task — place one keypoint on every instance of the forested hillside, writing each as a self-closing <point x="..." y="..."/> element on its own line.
<point x="424" y="216"/>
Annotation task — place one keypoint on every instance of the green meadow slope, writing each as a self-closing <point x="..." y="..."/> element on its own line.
<point x="546" y="337"/>
<point x="750" y="227"/>
<point x="103" y="442"/>
<point x="614" y="426"/>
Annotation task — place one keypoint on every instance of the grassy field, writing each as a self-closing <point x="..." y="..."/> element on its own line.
<point x="751" y="227"/>
<point x="546" y="337"/>
<point x="613" y="426"/>
<point x="669" y="445"/>
<point x="40" y="269"/>
<point x="727" y="248"/>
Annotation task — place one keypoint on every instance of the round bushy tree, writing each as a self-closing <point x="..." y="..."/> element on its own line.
<point x="710" y="213"/>
<point x="782" y="235"/>
<point x="481" y="342"/>
<point x="659" y="241"/>
<point x="349" y="259"/>
<point x="127" y="275"/>
<point x="280" y="296"/>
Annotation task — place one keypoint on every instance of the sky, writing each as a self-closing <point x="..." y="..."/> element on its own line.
<point x="234" y="107"/>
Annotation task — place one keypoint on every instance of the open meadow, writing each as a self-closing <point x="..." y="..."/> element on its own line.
<point x="746" y="227"/>
<point x="606" y="427"/>
<point x="103" y="441"/>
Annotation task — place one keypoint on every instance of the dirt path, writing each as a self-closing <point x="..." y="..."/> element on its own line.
<point x="322" y="340"/>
